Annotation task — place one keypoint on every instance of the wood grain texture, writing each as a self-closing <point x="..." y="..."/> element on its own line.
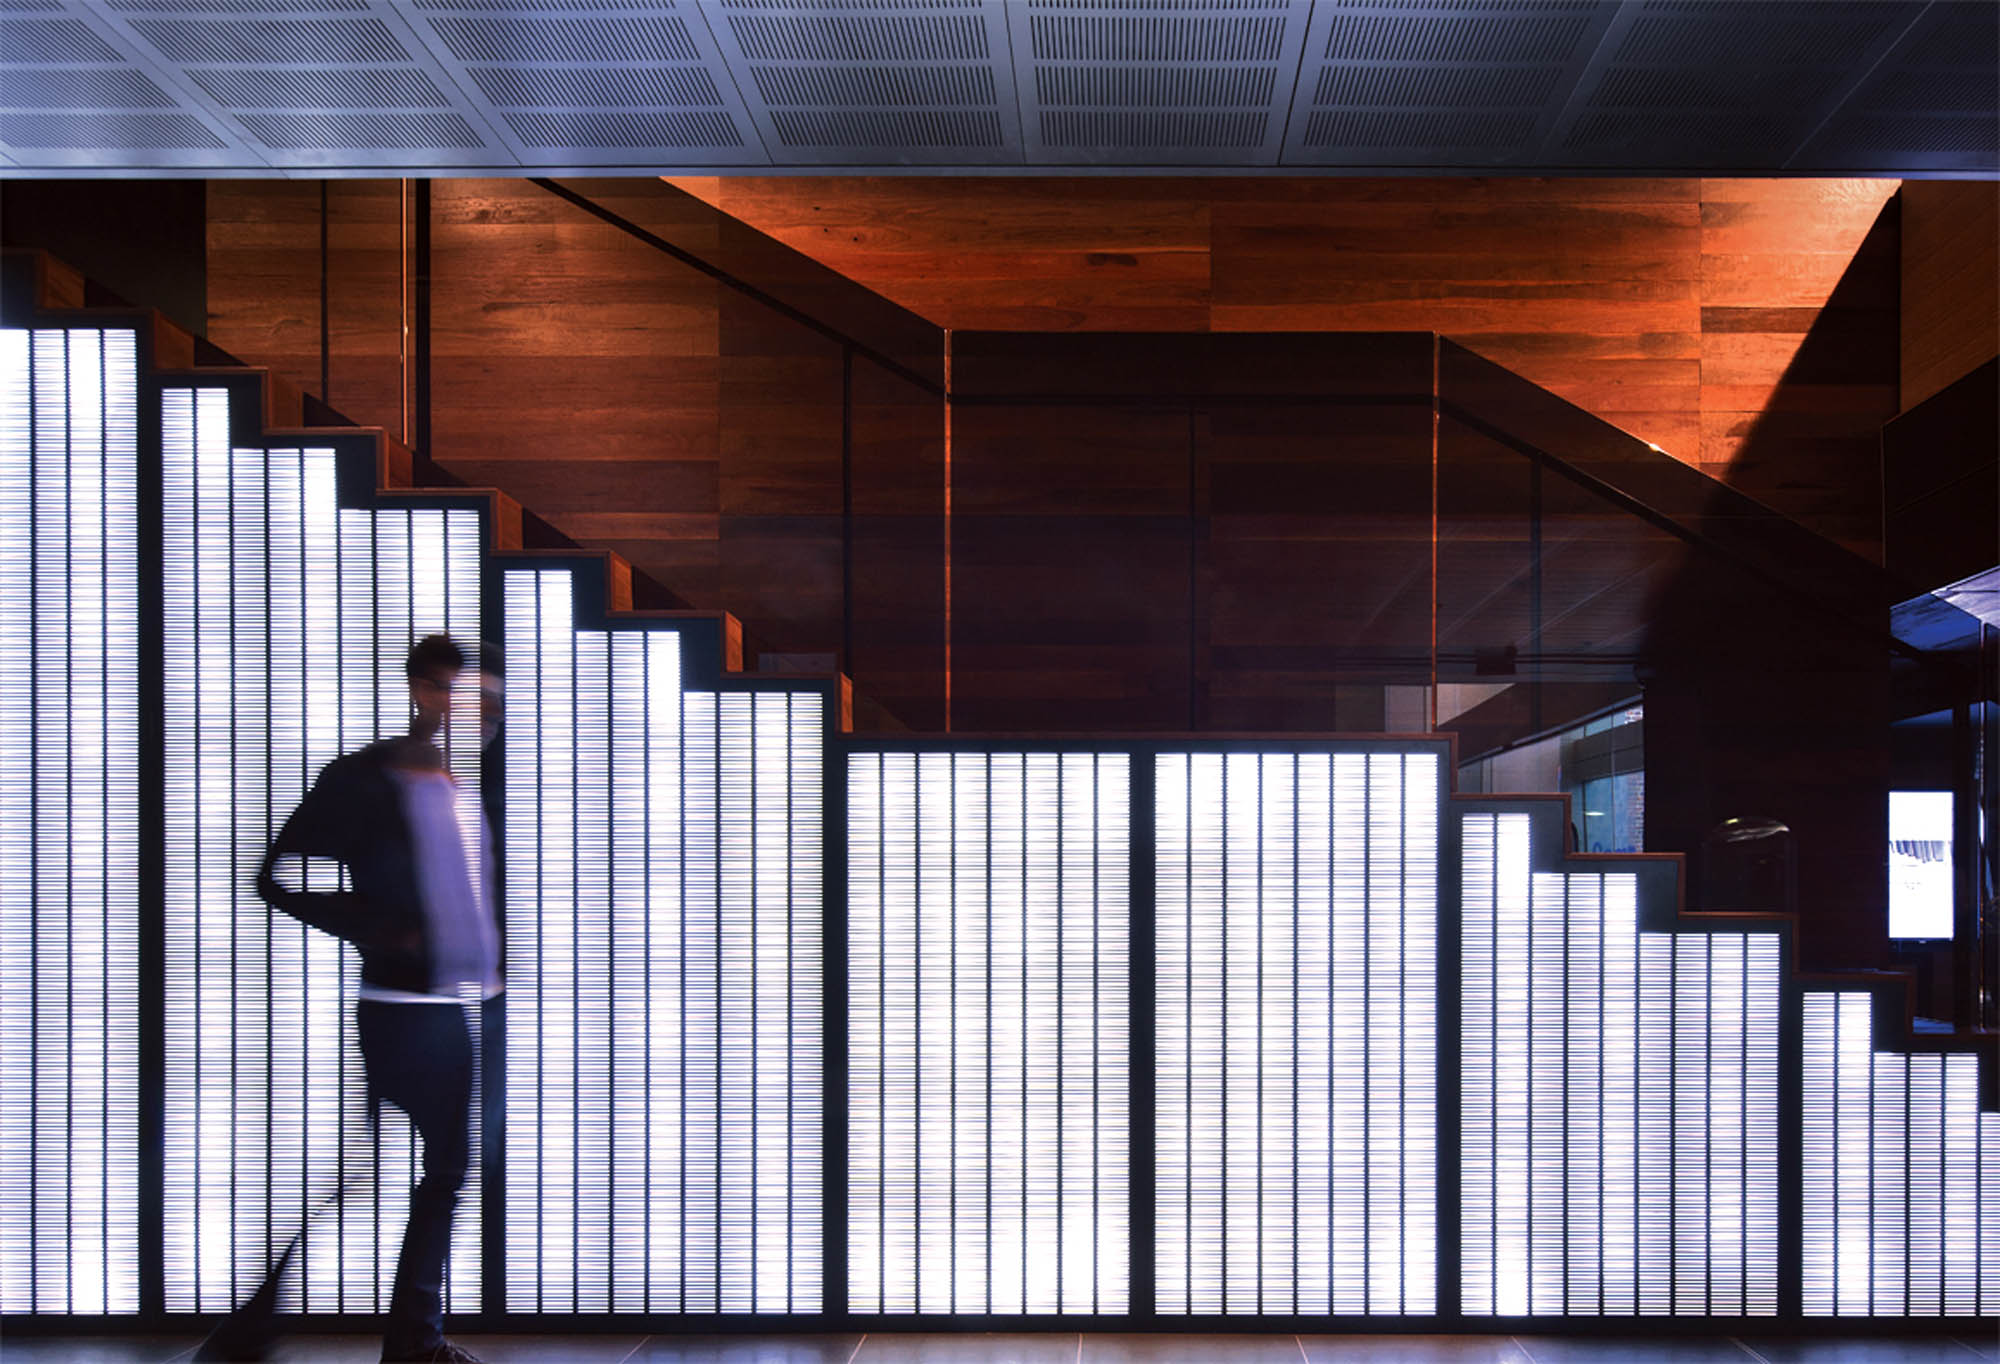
<point x="1951" y="283"/>
<point x="1658" y="305"/>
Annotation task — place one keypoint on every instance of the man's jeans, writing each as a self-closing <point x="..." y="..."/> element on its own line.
<point x="419" y="1057"/>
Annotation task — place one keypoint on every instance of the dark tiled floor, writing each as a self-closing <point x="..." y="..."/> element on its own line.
<point x="896" y="1347"/>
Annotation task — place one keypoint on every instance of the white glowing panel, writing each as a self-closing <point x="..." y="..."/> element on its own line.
<point x="287" y="621"/>
<point x="988" y="1033"/>
<point x="1902" y="1174"/>
<point x="1297" y="976"/>
<point x="1619" y="1109"/>
<point x="69" y="837"/>
<point x="664" y="947"/>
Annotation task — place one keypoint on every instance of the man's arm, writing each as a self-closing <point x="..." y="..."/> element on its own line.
<point x="322" y="826"/>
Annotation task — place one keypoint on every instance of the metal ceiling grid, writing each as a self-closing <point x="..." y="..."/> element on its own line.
<point x="594" y="83"/>
<point x="1933" y="104"/>
<point x="77" y="92"/>
<point x="330" y="83"/>
<point x="459" y="86"/>
<point x="874" y="82"/>
<point x="1156" y="82"/>
<point x="1439" y="82"/>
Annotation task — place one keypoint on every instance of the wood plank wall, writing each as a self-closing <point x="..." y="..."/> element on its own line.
<point x="1676" y="309"/>
<point x="629" y="399"/>
<point x="1951" y="283"/>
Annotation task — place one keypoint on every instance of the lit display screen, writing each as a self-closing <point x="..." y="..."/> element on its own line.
<point x="1920" y="870"/>
<point x="1297" y="999"/>
<point x="664" y="946"/>
<point x="988" y="1034"/>
<point x="69" y="823"/>
<point x="1902" y="1174"/>
<point x="287" y="620"/>
<point x="1619" y="1107"/>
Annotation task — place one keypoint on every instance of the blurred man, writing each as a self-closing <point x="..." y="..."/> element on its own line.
<point x="419" y="910"/>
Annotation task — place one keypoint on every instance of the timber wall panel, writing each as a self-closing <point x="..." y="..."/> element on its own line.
<point x="1951" y="283"/>
<point x="1674" y="309"/>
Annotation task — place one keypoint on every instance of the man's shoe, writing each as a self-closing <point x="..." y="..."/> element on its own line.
<point x="444" y="1352"/>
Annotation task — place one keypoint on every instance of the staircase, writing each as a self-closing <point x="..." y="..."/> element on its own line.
<point x="759" y="968"/>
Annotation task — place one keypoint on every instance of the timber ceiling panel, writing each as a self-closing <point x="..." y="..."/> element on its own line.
<point x="315" y="87"/>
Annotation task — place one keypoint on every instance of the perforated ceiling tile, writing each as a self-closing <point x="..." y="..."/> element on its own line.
<point x="1419" y="82"/>
<point x="616" y="39"/>
<point x="255" y="87"/>
<point x="597" y="87"/>
<point x="27" y="41"/>
<point x="231" y="6"/>
<point x="69" y="87"/>
<point x="578" y="83"/>
<point x="588" y="128"/>
<point x="1156" y="81"/>
<point x="1932" y="105"/>
<point x="1415" y="132"/>
<point x="332" y="41"/>
<point x="361" y="132"/>
<point x="874" y="81"/>
<point x="88" y="132"/>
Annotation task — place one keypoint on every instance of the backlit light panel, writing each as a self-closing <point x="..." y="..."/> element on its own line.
<point x="1297" y="976"/>
<point x="988" y="1033"/>
<point x="1902" y="1174"/>
<point x="287" y="621"/>
<point x="664" y="947"/>
<point x="1620" y="1102"/>
<point x="69" y="823"/>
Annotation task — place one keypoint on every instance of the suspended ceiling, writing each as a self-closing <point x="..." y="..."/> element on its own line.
<point x="271" y="87"/>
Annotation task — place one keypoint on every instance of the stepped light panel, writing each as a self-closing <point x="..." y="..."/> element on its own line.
<point x="1297" y="969"/>
<point x="287" y="619"/>
<point x="1619" y="1111"/>
<point x="69" y="823"/>
<point x="988" y="1033"/>
<point x="1902" y="1174"/>
<point x="1619" y="1088"/>
<point x="664" y="931"/>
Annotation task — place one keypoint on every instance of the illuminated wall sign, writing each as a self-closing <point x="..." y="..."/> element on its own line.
<point x="664" y="930"/>
<point x="1297" y="968"/>
<point x="988" y="1070"/>
<point x="1902" y="1174"/>
<point x="69" y="823"/>
<point x="1619" y="1125"/>
<point x="287" y="619"/>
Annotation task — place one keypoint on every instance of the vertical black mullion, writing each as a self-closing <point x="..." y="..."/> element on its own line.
<point x="1062" y="1040"/>
<point x="151" y="488"/>
<point x="791" y="1019"/>
<point x="1567" y="985"/>
<point x="541" y="994"/>
<point x="104" y="494"/>
<point x="680" y="778"/>
<point x="917" y="1034"/>
<point x="715" y="758"/>
<point x="1260" y="1034"/>
<point x="1449" y="1139"/>
<point x="1368" y="1030"/>
<point x="951" y="1052"/>
<point x="1295" y="1030"/>
<point x="1025" y="769"/>
<point x="235" y="852"/>
<point x="986" y="768"/>
<point x="836" y="871"/>
<point x="69" y="813"/>
<point x="1403" y="1159"/>
<point x="575" y="952"/>
<point x="493" y="1097"/>
<point x="1097" y="1007"/>
<point x="1223" y="1116"/>
<point x="644" y="643"/>
<point x="882" y="1029"/>
<point x="1141" y="973"/>
<point x="270" y="944"/>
